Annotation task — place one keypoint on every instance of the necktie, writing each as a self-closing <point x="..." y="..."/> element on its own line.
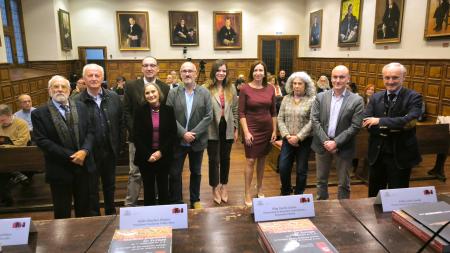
<point x="391" y="102"/>
<point x="66" y="114"/>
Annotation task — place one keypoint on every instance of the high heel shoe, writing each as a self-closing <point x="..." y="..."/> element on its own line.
<point x="224" y="193"/>
<point x="248" y="200"/>
<point x="216" y="195"/>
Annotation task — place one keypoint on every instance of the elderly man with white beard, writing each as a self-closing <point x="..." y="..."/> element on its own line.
<point x="64" y="133"/>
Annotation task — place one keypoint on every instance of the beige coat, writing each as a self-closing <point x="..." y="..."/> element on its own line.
<point x="231" y="116"/>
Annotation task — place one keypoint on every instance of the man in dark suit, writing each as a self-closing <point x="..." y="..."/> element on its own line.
<point x="192" y="106"/>
<point x="106" y="112"/>
<point x="133" y="99"/>
<point x="63" y="131"/>
<point x="390" y="117"/>
<point x="134" y="33"/>
<point x="336" y="117"/>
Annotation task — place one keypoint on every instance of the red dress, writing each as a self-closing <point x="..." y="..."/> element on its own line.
<point x="258" y="107"/>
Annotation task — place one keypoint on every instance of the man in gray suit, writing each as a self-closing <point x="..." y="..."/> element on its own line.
<point x="336" y="117"/>
<point x="192" y="106"/>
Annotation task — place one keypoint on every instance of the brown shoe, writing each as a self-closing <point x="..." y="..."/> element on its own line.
<point x="216" y="195"/>
<point x="224" y="193"/>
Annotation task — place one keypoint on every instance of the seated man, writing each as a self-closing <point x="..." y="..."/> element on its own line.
<point x="13" y="132"/>
<point x="26" y="107"/>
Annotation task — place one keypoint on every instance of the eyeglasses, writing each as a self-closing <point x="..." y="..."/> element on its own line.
<point x="187" y="71"/>
<point x="149" y="65"/>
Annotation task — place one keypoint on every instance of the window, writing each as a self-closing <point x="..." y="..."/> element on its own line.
<point x="13" y="29"/>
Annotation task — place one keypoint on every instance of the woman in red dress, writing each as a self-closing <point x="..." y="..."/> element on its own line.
<point x="258" y="120"/>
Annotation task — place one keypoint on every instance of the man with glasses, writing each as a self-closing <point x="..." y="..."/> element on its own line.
<point x="134" y="98"/>
<point x="390" y="118"/>
<point x="336" y="117"/>
<point x="192" y="106"/>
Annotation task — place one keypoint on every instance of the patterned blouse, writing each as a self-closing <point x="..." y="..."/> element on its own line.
<point x="294" y="118"/>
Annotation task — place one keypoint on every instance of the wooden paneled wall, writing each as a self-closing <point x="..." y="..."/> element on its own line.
<point x="431" y="78"/>
<point x="131" y="69"/>
<point x="32" y="80"/>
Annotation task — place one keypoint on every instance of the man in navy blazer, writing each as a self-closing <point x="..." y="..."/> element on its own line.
<point x="336" y="117"/>
<point x="390" y="117"/>
<point x="63" y="132"/>
<point x="192" y="106"/>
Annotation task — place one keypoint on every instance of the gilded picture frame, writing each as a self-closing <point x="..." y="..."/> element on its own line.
<point x="315" y="29"/>
<point x="65" y="33"/>
<point x="350" y="23"/>
<point x="227" y="30"/>
<point x="183" y="28"/>
<point x="437" y="23"/>
<point x="133" y="30"/>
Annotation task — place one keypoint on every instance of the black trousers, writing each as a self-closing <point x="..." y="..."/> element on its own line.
<point x="5" y="188"/>
<point x="158" y="171"/>
<point x="219" y="156"/>
<point x="384" y="174"/>
<point x="62" y="195"/>
<point x="106" y="171"/>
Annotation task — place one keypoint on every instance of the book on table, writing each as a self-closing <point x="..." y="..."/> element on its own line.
<point x="299" y="235"/>
<point x="151" y="239"/>
<point x="424" y="220"/>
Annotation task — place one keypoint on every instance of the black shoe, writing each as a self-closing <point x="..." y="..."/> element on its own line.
<point x="19" y="178"/>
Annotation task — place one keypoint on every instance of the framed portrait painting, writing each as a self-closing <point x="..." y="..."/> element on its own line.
<point x="350" y="23"/>
<point x="133" y="30"/>
<point x="227" y="30"/>
<point x="183" y="27"/>
<point x="315" y="29"/>
<point x="388" y="21"/>
<point x="437" y="23"/>
<point x="65" y="34"/>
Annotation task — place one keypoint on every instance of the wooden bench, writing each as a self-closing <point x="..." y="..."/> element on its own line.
<point x="432" y="139"/>
<point x="28" y="158"/>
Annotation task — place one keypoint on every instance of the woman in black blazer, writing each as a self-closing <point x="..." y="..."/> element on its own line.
<point x="155" y="132"/>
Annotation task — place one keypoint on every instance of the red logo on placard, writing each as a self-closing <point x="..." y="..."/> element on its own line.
<point x="304" y="200"/>
<point x="177" y="210"/>
<point x="18" y="224"/>
<point x="428" y="192"/>
<point x="323" y="247"/>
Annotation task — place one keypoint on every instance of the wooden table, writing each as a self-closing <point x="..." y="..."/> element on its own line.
<point x="350" y="225"/>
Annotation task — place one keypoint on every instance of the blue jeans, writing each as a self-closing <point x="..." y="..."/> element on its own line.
<point x="176" y="171"/>
<point x="287" y="156"/>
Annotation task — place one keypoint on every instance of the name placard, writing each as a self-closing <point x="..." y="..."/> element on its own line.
<point x="174" y="216"/>
<point x="283" y="207"/>
<point x="395" y="199"/>
<point x="14" y="231"/>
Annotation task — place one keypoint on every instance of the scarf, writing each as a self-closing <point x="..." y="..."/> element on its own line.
<point x="63" y="130"/>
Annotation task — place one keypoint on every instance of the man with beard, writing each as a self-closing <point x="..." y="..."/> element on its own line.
<point x="192" y="106"/>
<point x="64" y="133"/>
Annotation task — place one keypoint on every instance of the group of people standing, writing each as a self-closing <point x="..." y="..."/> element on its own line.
<point x="81" y="136"/>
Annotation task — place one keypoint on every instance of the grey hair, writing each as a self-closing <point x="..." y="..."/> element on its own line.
<point x="58" y="77"/>
<point x="393" y="65"/>
<point x="150" y="57"/>
<point x="310" y="90"/>
<point x="5" y="110"/>
<point x="327" y="83"/>
<point x="93" y="65"/>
